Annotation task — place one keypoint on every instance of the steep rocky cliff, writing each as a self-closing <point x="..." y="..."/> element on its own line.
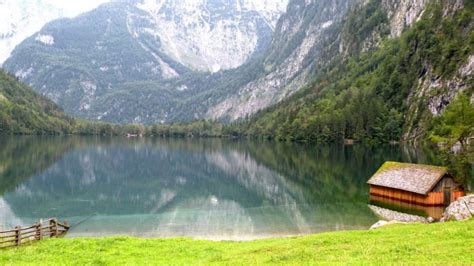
<point x="399" y="64"/>
<point x="297" y="47"/>
<point x="309" y="36"/>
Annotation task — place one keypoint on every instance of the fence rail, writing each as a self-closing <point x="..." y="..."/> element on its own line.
<point x="25" y="235"/>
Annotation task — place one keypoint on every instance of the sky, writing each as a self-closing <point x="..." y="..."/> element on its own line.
<point x="75" y="7"/>
<point x="22" y="18"/>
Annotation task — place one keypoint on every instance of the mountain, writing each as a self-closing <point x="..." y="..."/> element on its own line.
<point x="392" y="69"/>
<point x="25" y="17"/>
<point x="132" y="46"/>
<point x="298" y="48"/>
<point x="23" y="111"/>
<point x="364" y="70"/>
<point x="208" y="35"/>
<point x="283" y="68"/>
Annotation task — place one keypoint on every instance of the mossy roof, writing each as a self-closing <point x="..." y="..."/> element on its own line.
<point x="416" y="178"/>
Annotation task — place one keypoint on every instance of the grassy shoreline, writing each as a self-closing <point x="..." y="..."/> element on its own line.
<point x="440" y="243"/>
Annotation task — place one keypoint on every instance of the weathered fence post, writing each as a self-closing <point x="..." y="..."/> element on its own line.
<point x="18" y="235"/>
<point x="56" y="228"/>
<point x="52" y="228"/>
<point x="38" y="231"/>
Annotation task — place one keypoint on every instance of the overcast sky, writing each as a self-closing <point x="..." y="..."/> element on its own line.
<point x="22" y="18"/>
<point x="75" y="7"/>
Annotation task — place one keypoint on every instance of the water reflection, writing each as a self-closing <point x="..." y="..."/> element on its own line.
<point x="435" y="212"/>
<point x="212" y="189"/>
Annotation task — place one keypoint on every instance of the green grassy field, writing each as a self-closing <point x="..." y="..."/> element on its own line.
<point x="441" y="243"/>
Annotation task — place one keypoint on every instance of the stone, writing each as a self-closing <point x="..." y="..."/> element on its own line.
<point x="391" y="215"/>
<point x="461" y="209"/>
<point x="378" y="224"/>
<point x="383" y="223"/>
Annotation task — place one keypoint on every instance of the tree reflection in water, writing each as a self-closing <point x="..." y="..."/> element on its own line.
<point x="213" y="189"/>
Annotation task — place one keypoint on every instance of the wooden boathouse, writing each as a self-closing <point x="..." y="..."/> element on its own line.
<point x="424" y="185"/>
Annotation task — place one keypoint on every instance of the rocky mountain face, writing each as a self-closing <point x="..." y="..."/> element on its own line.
<point x="161" y="61"/>
<point x="308" y="37"/>
<point x="432" y="92"/>
<point x="296" y="49"/>
<point x="208" y="35"/>
<point x="122" y="45"/>
<point x="386" y="71"/>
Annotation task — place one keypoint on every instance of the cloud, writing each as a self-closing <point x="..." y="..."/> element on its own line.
<point x="73" y="8"/>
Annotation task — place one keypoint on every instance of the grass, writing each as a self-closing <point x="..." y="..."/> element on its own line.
<point x="440" y="243"/>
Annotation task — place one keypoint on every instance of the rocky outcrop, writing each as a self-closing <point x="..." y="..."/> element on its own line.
<point x="403" y="14"/>
<point x="435" y="93"/>
<point x="383" y="223"/>
<point x="460" y="210"/>
<point x="305" y="30"/>
<point x="390" y="215"/>
<point x="291" y="74"/>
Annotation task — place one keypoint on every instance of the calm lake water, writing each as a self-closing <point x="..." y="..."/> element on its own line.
<point x="207" y="189"/>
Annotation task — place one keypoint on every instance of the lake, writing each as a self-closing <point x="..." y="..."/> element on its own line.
<point x="206" y="189"/>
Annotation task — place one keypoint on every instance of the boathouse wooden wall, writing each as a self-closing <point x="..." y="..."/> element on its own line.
<point x="446" y="182"/>
<point x="432" y="199"/>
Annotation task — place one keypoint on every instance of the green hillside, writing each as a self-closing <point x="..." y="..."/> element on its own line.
<point x="23" y="111"/>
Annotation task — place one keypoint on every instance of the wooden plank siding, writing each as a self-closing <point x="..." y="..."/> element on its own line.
<point x="457" y="194"/>
<point x="432" y="199"/>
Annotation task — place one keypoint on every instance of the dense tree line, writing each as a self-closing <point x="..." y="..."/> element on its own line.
<point x="23" y="111"/>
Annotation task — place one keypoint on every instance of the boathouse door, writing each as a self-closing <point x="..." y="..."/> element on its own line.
<point x="447" y="196"/>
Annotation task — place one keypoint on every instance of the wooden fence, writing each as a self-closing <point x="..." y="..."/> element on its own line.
<point x="25" y="235"/>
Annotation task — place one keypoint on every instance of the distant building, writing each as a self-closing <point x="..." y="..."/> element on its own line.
<point x="416" y="184"/>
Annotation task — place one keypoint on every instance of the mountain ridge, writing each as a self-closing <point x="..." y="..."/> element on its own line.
<point x="324" y="56"/>
<point x="25" y="17"/>
<point x="120" y="46"/>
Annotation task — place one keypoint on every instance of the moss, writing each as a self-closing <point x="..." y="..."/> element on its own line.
<point x="389" y="166"/>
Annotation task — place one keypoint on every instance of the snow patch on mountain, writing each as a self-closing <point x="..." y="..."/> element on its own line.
<point x="326" y="25"/>
<point x="270" y="9"/>
<point x="24" y="73"/>
<point x="45" y="39"/>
